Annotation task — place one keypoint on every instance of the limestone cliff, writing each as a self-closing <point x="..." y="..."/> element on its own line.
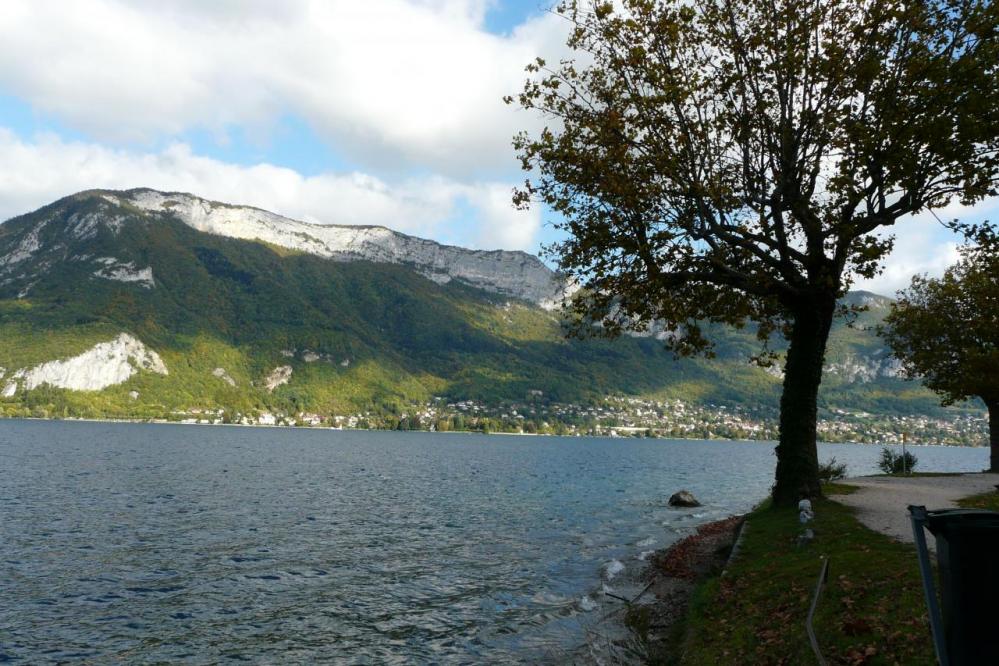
<point x="105" y="364"/>
<point x="515" y="274"/>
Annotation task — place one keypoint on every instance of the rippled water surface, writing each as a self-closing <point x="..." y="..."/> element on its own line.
<point x="152" y="543"/>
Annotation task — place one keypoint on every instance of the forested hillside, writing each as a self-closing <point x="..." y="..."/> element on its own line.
<point x="247" y="326"/>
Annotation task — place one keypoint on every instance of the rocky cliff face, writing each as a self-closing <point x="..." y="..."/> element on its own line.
<point x="867" y="368"/>
<point x="515" y="274"/>
<point x="105" y="364"/>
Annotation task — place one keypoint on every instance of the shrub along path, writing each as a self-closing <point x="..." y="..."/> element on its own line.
<point x="881" y="502"/>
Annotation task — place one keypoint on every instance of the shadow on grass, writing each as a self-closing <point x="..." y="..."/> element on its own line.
<point x="988" y="501"/>
<point x="871" y="611"/>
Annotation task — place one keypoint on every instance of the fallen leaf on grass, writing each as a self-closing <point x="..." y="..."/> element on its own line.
<point x="859" y="658"/>
<point x="856" y="626"/>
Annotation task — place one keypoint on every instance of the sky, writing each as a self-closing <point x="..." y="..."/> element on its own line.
<point x="332" y="111"/>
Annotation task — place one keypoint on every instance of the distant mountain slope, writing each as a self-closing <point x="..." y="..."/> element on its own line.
<point x="515" y="274"/>
<point x="250" y="312"/>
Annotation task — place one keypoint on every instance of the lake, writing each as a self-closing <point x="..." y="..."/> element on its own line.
<point x="159" y="543"/>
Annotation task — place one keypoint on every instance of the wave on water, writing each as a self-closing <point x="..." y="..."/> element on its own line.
<point x="353" y="547"/>
<point x="613" y="568"/>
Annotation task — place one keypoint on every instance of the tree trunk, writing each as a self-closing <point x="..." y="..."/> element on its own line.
<point x="993" y="406"/>
<point x="797" y="458"/>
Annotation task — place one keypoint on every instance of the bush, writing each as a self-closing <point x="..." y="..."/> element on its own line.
<point x="896" y="463"/>
<point x="831" y="471"/>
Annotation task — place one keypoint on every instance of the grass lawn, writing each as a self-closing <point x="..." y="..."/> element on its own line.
<point x="835" y="488"/>
<point x="871" y="611"/>
<point x="988" y="501"/>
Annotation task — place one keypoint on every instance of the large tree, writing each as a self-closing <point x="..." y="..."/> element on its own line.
<point x="946" y="330"/>
<point x="731" y="162"/>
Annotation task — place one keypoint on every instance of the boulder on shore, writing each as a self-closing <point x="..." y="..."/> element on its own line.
<point x="683" y="498"/>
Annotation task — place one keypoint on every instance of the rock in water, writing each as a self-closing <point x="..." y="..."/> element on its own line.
<point x="683" y="498"/>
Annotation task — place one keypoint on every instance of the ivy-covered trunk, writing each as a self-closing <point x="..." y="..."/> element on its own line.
<point x="993" y="406"/>
<point x="797" y="457"/>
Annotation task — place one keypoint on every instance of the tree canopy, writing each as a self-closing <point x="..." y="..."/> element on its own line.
<point x="730" y="162"/>
<point x="946" y="330"/>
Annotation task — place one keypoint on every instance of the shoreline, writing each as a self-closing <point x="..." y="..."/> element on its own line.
<point x="451" y="432"/>
<point x="435" y="432"/>
<point x="673" y="575"/>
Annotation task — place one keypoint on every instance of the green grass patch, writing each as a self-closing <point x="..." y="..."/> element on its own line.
<point x="870" y="612"/>
<point x="839" y="488"/>
<point x="989" y="501"/>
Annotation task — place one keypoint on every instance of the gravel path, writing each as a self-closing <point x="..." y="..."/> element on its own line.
<point x="882" y="502"/>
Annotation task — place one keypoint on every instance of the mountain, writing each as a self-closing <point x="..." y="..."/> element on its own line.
<point x="155" y="305"/>
<point x="515" y="274"/>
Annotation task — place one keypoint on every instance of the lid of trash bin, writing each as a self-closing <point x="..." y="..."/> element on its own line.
<point x="960" y="520"/>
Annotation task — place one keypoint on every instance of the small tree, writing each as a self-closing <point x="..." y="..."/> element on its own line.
<point x="896" y="463"/>
<point x="947" y="330"/>
<point x="729" y="162"/>
<point x="831" y="470"/>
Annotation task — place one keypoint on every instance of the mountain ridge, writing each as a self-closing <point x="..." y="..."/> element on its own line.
<point x="252" y="327"/>
<point x="511" y="273"/>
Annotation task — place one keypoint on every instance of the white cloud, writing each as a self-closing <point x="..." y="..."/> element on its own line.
<point x="503" y="225"/>
<point x="395" y="85"/>
<point x="923" y="245"/>
<point x="35" y="173"/>
<point x="389" y="81"/>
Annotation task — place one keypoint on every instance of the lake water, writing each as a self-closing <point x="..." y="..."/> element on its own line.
<point x="160" y="543"/>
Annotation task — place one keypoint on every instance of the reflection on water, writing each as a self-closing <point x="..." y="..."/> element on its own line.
<point x="144" y="543"/>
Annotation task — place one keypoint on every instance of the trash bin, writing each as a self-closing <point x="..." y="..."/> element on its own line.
<point x="968" y="562"/>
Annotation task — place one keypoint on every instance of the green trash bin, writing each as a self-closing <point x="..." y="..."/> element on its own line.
<point x="968" y="562"/>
